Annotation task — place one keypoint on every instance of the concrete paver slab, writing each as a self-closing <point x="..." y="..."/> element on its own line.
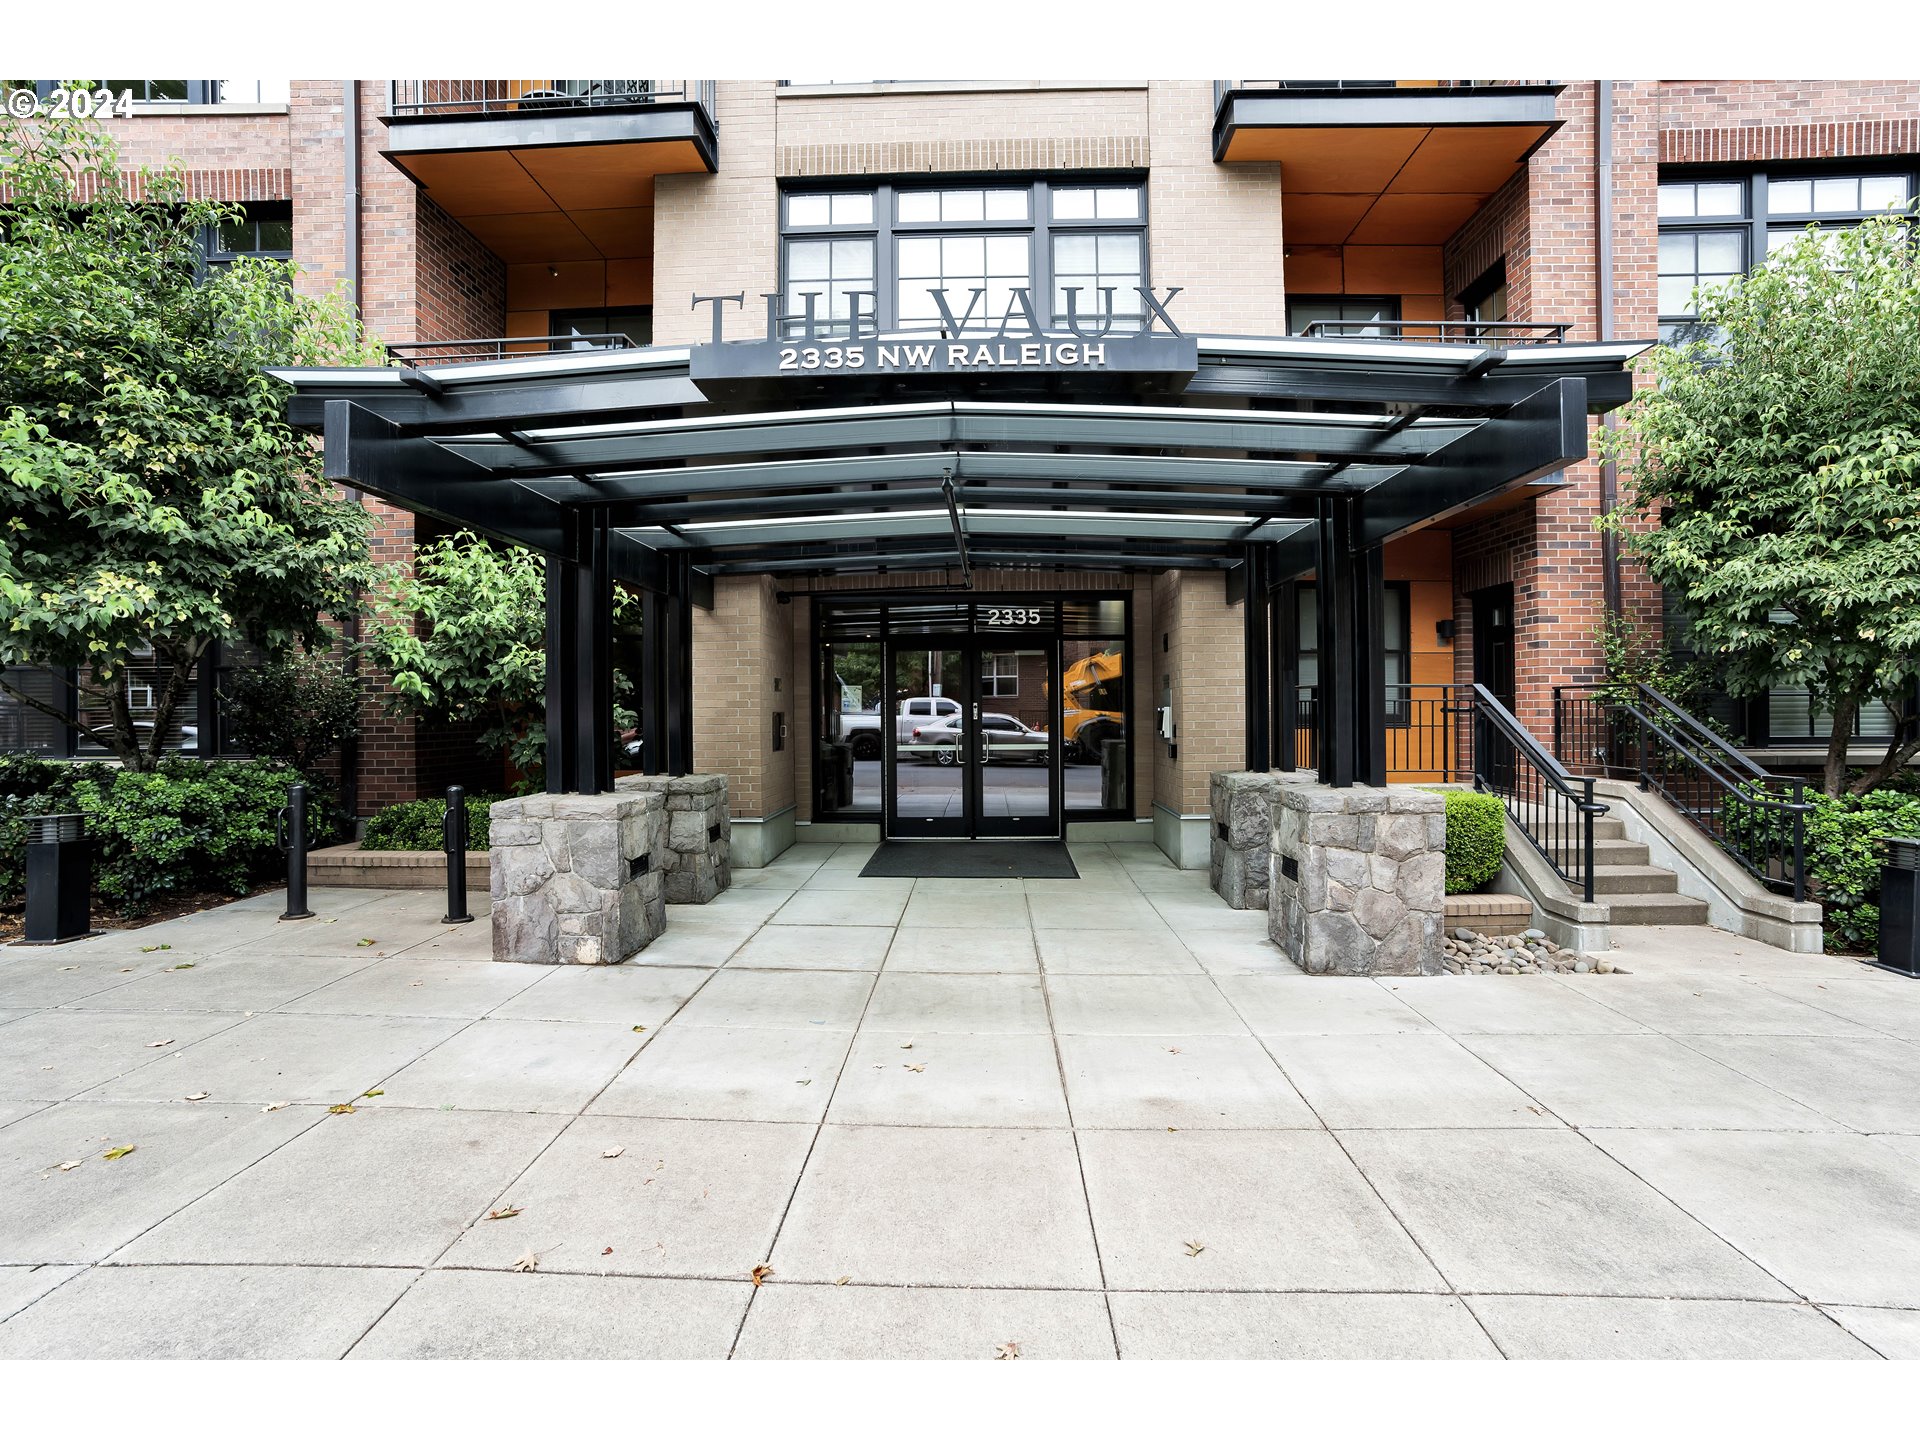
<point x="21" y="1285"/>
<point x="1134" y="1082"/>
<point x="906" y="1206"/>
<point x="381" y="1187"/>
<point x="236" y="981"/>
<point x="489" y="1315"/>
<point x="851" y="908"/>
<point x="1543" y="1211"/>
<point x="1297" y="1327"/>
<point x="1633" y="1080"/>
<point x="997" y="1080"/>
<point x="1405" y="1081"/>
<point x="1873" y="999"/>
<point x="195" y="1312"/>
<point x="998" y="950"/>
<point x="605" y="994"/>
<point x="715" y="1073"/>
<point x="57" y="1054"/>
<point x="1708" y="1004"/>
<point x="1871" y="1084"/>
<point x="867" y="1322"/>
<point x="691" y="1198"/>
<point x="318" y="1059"/>
<point x="782" y="999"/>
<point x="546" y="1065"/>
<point x="705" y="941"/>
<point x="1830" y="1214"/>
<point x="1559" y="1327"/>
<point x="1894" y="1333"/>
<point x="947" y="912"/>
<point x="1113" y="952"/>
<point x="1510" y="1005"/>
<point x="179" y="1154"/>
<point x="913" y="1004"/>
<point x="1139" y="1005"/>
<point x="1269" y="1210"/>
<point x="1300" y="1004"/>
<point x="460" y="989"/>
<point x="1222" y="953"/>
<point x="814" y="947"/>
<point x="55" y="975"/>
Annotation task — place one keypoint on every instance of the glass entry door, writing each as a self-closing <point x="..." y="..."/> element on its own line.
<point x="974" y="751"/>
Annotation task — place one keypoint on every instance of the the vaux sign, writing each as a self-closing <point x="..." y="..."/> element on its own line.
<point x="968" y="342"/>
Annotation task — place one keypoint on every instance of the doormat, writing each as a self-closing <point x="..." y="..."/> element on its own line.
<point x="972" y="860"/>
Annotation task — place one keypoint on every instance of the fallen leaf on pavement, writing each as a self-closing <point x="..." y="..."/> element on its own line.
<point x="526" y="1262"/>
<point x="198" y="1095"/>
<point x="915" y="1068"/>
<point x="505" y="1212"/>
<point x="183" y="965"/>
<point x="340" y="1110"/>
<point x="613" y="1154"/>
<point x="803" y="1082"/>
<point x="276" y="1105"/>
<point x="639" y="1029"/>
<point x="843" y="1280"/>
<point x="118" y="1151"/>
<point x="907" y="1046"/>
<point x="369" y="1094"/>
<point x="156" y="1044"/>
<point x="1173" y="1049"/>
<point x="365" y="940"/>
<point x="1008" y="1351"/>
<point x="149" y="949"/>
<point x="607" y="1251"/>
<point x="69" y="1164"/>
<point x="760" y="1274"/>
<point x="1194" y="1247"/>
<point x="69" y="967"/>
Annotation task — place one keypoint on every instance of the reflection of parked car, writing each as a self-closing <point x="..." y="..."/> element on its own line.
<point x="1007" y="740"/>
<point x="861" y="729"/>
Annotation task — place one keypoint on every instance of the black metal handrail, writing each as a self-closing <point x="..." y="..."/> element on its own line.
<point x="499" y="347"/>
<point x="1552" y="807"/>
<point x="1756" y="817"/>
<point x="1423" y="732"/>
<point x="439" y="98"/>
<point x="1469" y="332"/>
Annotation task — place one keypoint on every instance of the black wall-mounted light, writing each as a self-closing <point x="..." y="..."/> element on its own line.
<point x="1444" y="629"/>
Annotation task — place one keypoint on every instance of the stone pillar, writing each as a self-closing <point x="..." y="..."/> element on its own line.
<point x="1359" y="879"/>
<point x="1240" y="803"/>
<point x="696" y="864"/>
<point x="577" y="879"/>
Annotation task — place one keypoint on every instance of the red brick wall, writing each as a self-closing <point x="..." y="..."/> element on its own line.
<point x="462" y="286"/>
<point x="1707" y="121"/>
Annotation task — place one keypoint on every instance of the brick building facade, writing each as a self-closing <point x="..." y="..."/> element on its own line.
<point x="1248" y="223"/>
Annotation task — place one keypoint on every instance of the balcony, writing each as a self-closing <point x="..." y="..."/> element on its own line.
<point x="1377" y="162"/>
<point x="551" y="169"/>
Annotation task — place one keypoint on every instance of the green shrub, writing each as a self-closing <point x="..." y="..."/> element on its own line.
<point x="297" y="711"/>
<point x="1844" y="858"/>
<point x="1476" y="839"/>
<point x="417" y="825"/>
<point x="189" y="826"/>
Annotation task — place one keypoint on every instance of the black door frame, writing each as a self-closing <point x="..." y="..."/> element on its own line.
<point x="973" y="823"/>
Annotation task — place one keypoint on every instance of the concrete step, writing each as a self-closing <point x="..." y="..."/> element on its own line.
<point x="1655" y="909"/>
<point x="1612" y="853"/>
<point x="1609" y="829"/>
<point x="1634" y="880"/>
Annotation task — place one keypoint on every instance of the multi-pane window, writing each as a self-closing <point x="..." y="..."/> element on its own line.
<point x="586" y="329"/>
<point x="265" y="231"/>
<point x="988" y="251"/>
<point x="1000" y="675"/>
<point x="1394" y="628"/>
<point x="1697" y="260"/>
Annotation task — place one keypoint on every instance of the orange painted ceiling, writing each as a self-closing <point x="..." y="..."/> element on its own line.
<point x="569" y="202"/>
<point x="1385" y="185"/>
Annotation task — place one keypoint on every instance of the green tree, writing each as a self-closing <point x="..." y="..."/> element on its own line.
<point x="152" y="490"/>
<point x="298" y="710"/>
<point x="1780" y="456"/>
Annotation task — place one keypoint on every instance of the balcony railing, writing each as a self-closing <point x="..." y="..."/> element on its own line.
<point x="1426" y="727"/>
<point x="459" y="352"/>
<point x="1458" y="332"/>
<point x="438" y="99"/>
<point x="1222" y="88"/>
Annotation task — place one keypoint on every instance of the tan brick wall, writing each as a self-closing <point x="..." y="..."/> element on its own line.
<point x="228" y="156"/>
<point x="1704" y="121"/>
<point x="716" y="234"/>
<point x="741" y="649"/>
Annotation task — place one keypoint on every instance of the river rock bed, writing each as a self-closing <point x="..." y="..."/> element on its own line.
<point x="1468" y="952"/>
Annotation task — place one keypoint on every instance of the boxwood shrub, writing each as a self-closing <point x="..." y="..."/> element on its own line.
<point x="417" y="825"/>
<point x="1476" y="839"/>
<point x="187" y="827"/>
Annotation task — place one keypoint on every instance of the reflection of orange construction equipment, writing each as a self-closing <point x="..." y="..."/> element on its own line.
<point x="1094" y="705"/>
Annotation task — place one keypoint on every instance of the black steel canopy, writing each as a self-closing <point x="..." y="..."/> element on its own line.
<point x="1283" y="455"/>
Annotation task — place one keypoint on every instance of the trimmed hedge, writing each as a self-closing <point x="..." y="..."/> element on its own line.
<point x="1476" y="839"/>
<point x="419" y="825"/>
<point x="189" y="826"/>
<point x="1844" y="858"/>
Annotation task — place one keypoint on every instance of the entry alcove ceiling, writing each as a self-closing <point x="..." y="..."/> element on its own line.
<point x="549" y="450"/>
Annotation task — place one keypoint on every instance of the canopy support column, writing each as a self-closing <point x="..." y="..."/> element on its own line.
<point x="1285" y="622"/>
<point x="580" y="662"/>
<point x="1350" y="590"/>
<point x="1259" y="662"/>
<point x="666" y="660"/>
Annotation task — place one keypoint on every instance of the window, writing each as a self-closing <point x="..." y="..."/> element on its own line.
<point x="1359" y="316"/>
<point x="1000" y="676"/>
<point x="176" y="91"/>
<point x="1485" y="300"/>
<point x="1395" y="630"/>
<point x="636" y="324"/>
<point x="265" y="232"/>
<point x="910" y="247"/>
<point x="1697" y="260"/>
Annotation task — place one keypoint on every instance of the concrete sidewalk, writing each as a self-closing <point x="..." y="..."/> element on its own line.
<point x="1084" y="1118"/>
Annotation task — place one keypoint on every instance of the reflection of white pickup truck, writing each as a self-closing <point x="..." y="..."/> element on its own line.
<point x="861" y="728"/>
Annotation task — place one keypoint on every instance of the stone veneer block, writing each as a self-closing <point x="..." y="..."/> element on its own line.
<point x="1358" y="879"/>
<point x="697" y="862"/>
<point x="1240" y="804"/>
<point x="578" y="879"/>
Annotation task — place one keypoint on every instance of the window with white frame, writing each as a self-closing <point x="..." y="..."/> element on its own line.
<point x="1000" y="676"/>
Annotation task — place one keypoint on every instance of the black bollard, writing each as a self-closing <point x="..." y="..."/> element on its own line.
<point x="59" y="879"/>
<point x="454" y="828"/>
<point x="291" y="823"/>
